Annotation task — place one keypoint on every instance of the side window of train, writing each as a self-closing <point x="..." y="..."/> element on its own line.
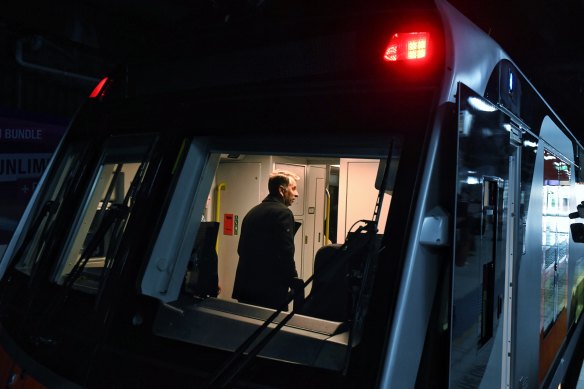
<point x="555" y="168"/>
<point x="101" y="221"/>
<point x="577" y="227"/>
<point x="577" y="231"/>
<point x="555" y="236"/>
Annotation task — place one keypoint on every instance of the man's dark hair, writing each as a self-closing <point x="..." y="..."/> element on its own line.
<point x="280" y="178"/>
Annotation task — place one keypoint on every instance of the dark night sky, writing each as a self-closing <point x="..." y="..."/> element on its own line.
<point x="544" y="39"/>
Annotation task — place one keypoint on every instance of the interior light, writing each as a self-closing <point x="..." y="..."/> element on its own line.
<point x="409" y="46"/>
<point x="99" y="89"/>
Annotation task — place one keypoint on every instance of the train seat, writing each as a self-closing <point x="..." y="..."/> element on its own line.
<point x="329" y="297"/>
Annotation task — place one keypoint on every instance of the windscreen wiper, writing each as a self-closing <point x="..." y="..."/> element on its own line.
<point x="118" y="227"/>
<point x="104" y="219"/>
<point x="48" y="210"/>
<point x="111" y="218"/>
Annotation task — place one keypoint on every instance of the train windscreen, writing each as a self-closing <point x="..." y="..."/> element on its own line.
<point x="224" y="207"/>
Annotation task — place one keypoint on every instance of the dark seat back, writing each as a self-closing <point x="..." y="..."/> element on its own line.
<point x="329" y="297"/>
<point x="337" y="271"/>
<point x="202" y="279"/>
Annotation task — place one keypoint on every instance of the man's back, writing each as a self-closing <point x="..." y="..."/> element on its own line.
<point x="266" y="254"/>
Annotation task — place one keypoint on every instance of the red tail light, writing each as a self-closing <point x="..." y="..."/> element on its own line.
<point x="410" y="46"/>
<point x="99" y="89"/>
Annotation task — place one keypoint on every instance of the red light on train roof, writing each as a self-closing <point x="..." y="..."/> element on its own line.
<point x="409" y="46"/>
<point x="99" y="89"/>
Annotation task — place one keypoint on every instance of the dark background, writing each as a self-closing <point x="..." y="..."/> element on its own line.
<point x="52" y="52"/>
<point x="544" y="38"/>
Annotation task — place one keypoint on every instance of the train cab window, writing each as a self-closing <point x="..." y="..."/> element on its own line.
<point x="337" y="201"/>
<point x="41" y="228"/>
<point x="106" y="208"/>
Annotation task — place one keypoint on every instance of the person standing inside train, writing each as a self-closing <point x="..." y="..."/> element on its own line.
<point x="266" y="267"/>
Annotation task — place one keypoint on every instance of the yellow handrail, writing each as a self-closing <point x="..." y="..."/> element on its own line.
<point x="327" y="216"/>
<point x="220" y="187"/>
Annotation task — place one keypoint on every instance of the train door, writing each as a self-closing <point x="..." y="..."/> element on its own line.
<point x="488" y="161"/>
<point x="354" y="176"/>
<point x="313" y="236"/>
<point x="237" y="190"/>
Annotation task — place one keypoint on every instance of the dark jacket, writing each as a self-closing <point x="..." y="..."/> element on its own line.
<point x="266" y="255"/>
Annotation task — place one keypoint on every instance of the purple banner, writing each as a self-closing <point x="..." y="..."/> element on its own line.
<point x="25" y="149"/>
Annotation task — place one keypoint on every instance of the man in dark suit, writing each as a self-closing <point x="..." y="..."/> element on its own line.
<point x="266" y="246"/>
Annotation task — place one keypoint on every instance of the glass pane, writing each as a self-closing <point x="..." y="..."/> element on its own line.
<point x="107" y="208"/>
<point x="41" y="227"/>
<point x="555" y="238"/>
<point x="577" y="300"/>
<point x="481" y="231"/>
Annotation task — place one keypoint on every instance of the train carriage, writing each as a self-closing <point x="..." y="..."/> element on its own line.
<point x="439" y="241"/>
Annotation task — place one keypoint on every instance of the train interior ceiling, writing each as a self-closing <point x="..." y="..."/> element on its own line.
<point x="336" y="193"/>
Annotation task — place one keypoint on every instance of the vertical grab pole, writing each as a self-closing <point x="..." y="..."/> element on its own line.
<point x="327" y="217"/>
<point x="220" y="187"/>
